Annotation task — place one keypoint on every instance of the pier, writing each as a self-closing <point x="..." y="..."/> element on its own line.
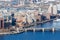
<point x="42" y="29"/>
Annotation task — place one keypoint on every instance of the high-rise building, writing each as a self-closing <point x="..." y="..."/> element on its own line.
<point x="52" y="9"/>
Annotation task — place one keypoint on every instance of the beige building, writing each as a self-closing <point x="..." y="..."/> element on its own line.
<point x="52" y="9"/>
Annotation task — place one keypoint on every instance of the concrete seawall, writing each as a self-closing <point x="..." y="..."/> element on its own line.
<point x="31" y="29"/>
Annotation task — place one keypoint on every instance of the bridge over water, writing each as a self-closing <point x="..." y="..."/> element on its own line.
<point x="42" y="29"/>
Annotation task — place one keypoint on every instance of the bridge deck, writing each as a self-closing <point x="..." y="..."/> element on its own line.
<point x="41" y="29"/>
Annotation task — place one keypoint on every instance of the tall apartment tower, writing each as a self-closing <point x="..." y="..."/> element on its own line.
<point x="52" y="9"/>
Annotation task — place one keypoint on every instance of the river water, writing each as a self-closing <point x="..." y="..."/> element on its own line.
<point x="36" y="35"/>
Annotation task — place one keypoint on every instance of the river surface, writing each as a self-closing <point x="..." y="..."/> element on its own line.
<point x="36" y="35"/>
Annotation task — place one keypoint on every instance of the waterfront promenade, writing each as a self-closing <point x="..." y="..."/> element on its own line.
<point x="20" y="30"/>
<point x="32" y="29"/>
<point x="39" y="22"/>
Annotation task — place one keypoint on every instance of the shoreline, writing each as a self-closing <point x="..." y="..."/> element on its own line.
<point x="19" y="31"/>
<point x="7" y="33"/>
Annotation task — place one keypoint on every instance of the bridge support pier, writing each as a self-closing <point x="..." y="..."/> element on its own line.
<point x="43" y="30"/>
<point x="25" y="30"/>
<point x="34" y="30"/>
<point x="53" y="29"/>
